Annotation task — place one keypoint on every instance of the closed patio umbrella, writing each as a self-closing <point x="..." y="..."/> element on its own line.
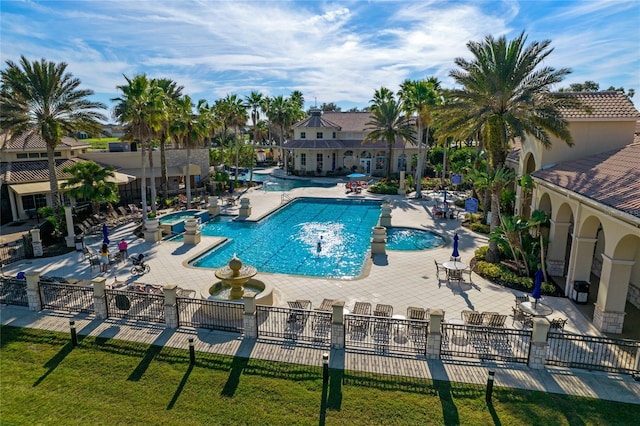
<point x="537" y="285"/>
<point x="455" y="253"/>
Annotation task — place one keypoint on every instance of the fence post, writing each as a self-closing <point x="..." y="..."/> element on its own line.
<point x="33" y="291"/>
<point x="337" y="325"/>
<point x="538" y="352"/>
<point x="250" y="320"/>
<point x="99" y="297"/>
<point x="434" y="336"/>
<point x="170" y="306"/>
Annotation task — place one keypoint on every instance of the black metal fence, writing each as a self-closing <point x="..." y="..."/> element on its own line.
<point x="136" y="306"/>
<point x="485" y="343"/>
<point x="13" y="292"/>
<point x="294" y="324"/>
<point x="593" y="353"/>
<point x="66" y="297"/>
<point x="11" y="252"/>
<point x="211" y="314"/>
<point x="385" y="335"/>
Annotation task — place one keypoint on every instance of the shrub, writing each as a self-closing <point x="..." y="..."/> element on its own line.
<point x="384" y="187"/>
<point x="481" y="252"/>
<point x="501" y="274"/>
<point x="479" y="227"/>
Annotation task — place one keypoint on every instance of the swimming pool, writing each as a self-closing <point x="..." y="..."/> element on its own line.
<point x="412" y="239"/>
<point x="286" y="241"/>
<point x="272" y="183"/>
<point x="173" y="223"/>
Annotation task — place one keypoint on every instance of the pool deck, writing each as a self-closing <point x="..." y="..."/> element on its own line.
<point x="399" y="279"/>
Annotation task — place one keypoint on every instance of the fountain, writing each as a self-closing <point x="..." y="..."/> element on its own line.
<point x="236" y="275"/>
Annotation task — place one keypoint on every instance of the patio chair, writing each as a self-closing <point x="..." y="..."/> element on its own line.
<point x="557" y="324"/>
<point x="472" y="317"/>
<point x="439" y="267"/>
<point x="297" y="317"/>
<point x="362" y="308"/>
<point x="520" y="299"/>
<point x="494" y="319"/>
<point x="522" y="317"/>
<point x="306" y="304"/>
<point x="416" y="313"/>
<point x="382" y="310"/>
<point x="326" y="305"/>
<point x="360" y="326"/>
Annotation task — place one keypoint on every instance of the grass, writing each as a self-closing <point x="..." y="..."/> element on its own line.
<point x="45" y="380"/>
<point x="100" y="143"/>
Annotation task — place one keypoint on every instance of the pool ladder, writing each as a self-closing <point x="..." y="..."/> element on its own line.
<point x="285" y="198"/>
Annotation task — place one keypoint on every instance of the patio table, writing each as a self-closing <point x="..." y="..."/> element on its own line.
<point x="536" y="309"/>
<point x="454" y="269"/>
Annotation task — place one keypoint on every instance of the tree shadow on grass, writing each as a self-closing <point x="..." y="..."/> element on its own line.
<point x="237" y="367"/>
<point x="449" y="409"/>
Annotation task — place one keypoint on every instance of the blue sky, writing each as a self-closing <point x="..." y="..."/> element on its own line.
<point x="331" y="51"/>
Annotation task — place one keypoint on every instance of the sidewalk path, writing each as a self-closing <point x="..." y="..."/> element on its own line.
<point x="607" y="386"/>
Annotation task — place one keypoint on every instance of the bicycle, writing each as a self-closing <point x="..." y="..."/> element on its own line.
<point x="139" y="267"/>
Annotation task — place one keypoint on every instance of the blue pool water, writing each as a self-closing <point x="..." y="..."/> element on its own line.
<point x="272" y="183"/>
<point x="412" y="239"/>
<point x="286" y="242"/>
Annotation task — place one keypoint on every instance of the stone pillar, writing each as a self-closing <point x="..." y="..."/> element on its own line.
<point x="538" y="352"/>
<point x="558" y="235"/>
<point x="250" y="319"/>
<point x="191" y="233"/>
<point x="36" y="242"/>
<point x="609" y="312"/>
<point x="152" y="232"/>
<point x="434" y="336"/>
<point x="70" y="238"/>
<point x="580" y="262"/>
<point x="245" y="208"/>
<point x="214" y="208"/>
<point x="385" y="215"/>
<point x="337" y="325"/>
<point x="99" y="297"/>
<point x="379" y="240"/>
<point x="401" y="189"/>
<point x="33" y="291"/>
<point x="170" y="306"/>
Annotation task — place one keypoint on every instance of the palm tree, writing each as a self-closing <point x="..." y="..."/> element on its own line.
<point x="420" y="97"/>
<point x="280" y="112"/>
<point x="254" y="100"/>
<point x="40" y="99"/>
<point x="172" y="93"/>
<point x="140" y="109"/>
<point x="537" y="221"/>
<point x="90" y="181"/>
<point x="388" y="123"/>
<point x="506" y="94"/>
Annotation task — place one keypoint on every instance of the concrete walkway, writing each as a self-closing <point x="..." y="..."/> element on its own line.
<point x="607" y="386"/>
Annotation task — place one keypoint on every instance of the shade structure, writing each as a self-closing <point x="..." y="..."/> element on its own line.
<point x="537" y="284"/>
<point x="455" y="253"/>
<point x="105" y="233"/>
<point x="356" y="175"/>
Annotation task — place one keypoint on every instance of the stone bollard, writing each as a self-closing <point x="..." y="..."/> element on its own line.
<point x="245" y="208"/>
<point x="33" y="291"/>
<point x="191" y="233"/>
<point x="99" y="297"/>
<point x="385" y="215"/>
<point x="337" y="325"/>
<point x="434" y="336"/>
<point x="538" y="352"/>
<point x="36" y="242"/>
<point x="379" y="240"/>
<point x="170" y="306"/>
<point x="152" y="232"/>
<point x="250" y="319"/>
<point x="214" y="208"/>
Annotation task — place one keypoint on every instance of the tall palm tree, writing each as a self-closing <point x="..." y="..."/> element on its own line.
<point x="420" y="97"/>
<point x="172" y="93"/>
<point x="139" y="108"/>
<point x="506" y="94"/>
<point x="388" y="123"/>
<point x="182" y="126"/>
<point x="40" y="99"/>
<point x="254" y="101"/>
<point x="90" y="181"/>
<point x="280" y="113"/>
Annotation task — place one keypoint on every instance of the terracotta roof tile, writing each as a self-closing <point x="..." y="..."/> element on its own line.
<point x="603" y="105"/>
<point x="34" y="171"/>
<point x="611" y="178"/>
<point x="36" y="143"/>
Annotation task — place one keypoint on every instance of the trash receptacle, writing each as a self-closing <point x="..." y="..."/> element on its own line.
<point x="79" y="241"/>
<point x="580" y="292"/>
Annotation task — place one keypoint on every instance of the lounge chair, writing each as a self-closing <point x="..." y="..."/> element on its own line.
<point x="362" y="308"/>
<point x="494" y="319"/>
<point x="472" y="317"/>
<point x="382" y="310"/>
<point x="416" y="313"/>
<point x="326" y="305"/>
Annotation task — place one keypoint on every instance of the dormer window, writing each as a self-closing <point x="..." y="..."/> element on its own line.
<point x="303" y="135"/>
<point x="319" y="135"/>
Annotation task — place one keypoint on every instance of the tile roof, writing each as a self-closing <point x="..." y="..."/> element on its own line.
<point x="603" y="105"/>
<point x="348" y="121"/>
<point x="36" y="143"/>
<point x="316" y="119"/>
<point x="340" y="144"/>
<point x="33" y="171"/>
<point x="611" y="178"/>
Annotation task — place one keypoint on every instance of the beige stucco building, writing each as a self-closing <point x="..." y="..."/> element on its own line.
<point x="591" y="193"/>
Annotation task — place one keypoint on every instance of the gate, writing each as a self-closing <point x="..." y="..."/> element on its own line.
<point x="593" y="353"/>
<point x="386" y="335"/>
<point x="211" y="314"/>
<point x="11" y="252"/>
<point x="13" y="292"/>
<point x="485" y="343"/>
<point x="294" y="324"/>
<point x="134" y="305"/>
<point x="66" y="297"/>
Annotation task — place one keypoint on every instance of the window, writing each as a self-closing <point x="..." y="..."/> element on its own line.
<point x="334" y="135"/>
<point x="34" y="155"/>
<point x="43" y="155"/>
<point x="22" y="156"/>
<point x="303" y="160"/>
<point x="319" y="135"/>
<point x="73" y="153"/>
<point x="303" y="135"/>
<point x="57" y="154"/>
<point x="319" y="162"/>
<point x="380" y="163"/>
<point x="34" y="201"/>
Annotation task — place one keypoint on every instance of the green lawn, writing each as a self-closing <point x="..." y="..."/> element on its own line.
<point x="104" y="381"/>
<point x="100" y="143"/>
